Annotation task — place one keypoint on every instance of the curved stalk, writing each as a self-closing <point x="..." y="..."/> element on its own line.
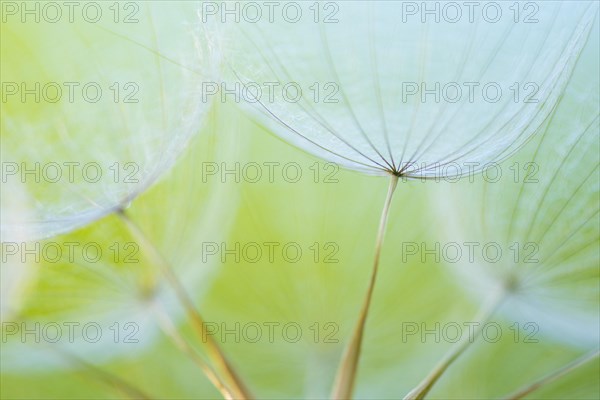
<point x="346" y="375"/>
<point x="553" y="376"/>
<point x="482" y="316"/>
<point x="216" y="355"/>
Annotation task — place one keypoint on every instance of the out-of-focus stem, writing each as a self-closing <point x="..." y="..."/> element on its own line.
<point x="346" y="375"/>
<point x="114" y="381"/>
<point x="483" y="315"/>
<point x="214" y="352"/>
<point x="553" y="376"/>
<point x="169" y="328"/>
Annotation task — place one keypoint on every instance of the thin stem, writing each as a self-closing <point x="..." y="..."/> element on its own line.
<point x="114" y="381"/>
<point x="482" y="316"/>
<point x="223" y="365"/>
<point x="168" y="327"/>
<point x="553" y="376"/>
<point x="344" y="382"/>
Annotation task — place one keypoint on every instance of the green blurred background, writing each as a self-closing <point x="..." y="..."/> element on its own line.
<point x="187" y="208"/>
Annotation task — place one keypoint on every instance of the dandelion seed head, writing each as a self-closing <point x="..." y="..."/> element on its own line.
<point x="373" y="61"/>
<point x="544" y="215"/>
<point x="127" y="289"/>
<point x="132" y="110"/>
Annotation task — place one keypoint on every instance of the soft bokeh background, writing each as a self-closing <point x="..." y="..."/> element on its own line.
<point x="187" y="208"/>
<point x="345" y="213"/>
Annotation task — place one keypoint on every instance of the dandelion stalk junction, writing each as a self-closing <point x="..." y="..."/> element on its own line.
<point x="344" y="382"/>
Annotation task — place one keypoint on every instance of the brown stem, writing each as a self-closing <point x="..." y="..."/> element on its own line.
<point x="344" y="382"/>
<point x="169" y="328"/>
<point x="483" y="315"/>
<point x="223" y="365"/>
